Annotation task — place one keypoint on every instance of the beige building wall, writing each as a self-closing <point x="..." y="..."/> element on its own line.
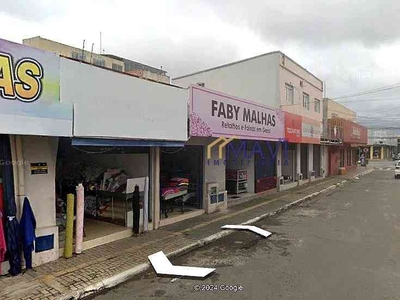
<point x="337" y="110"/>
<point x="302" y="81"/>
<point x="72" y="52"/>
<point x="149" y="75"/>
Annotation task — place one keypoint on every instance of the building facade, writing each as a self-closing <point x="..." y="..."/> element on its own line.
<point x="275" y="80"/>
<point x="346" y="139"/>
<point x="64" y="130"/>
<point x="142" y="70"/>
<point x="74" y="53"/>
<point x="108" y="61"/>
<point x="382" y="143"/>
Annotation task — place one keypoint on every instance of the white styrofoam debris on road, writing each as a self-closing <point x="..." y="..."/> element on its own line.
<point x="163" y="266"/>
<point x="255" y="229"/>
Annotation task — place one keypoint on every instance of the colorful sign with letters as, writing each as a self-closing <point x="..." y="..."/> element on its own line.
<point x="30" y="92"/>
<point x="214" y="114"/>
<point x="28" y="74"/>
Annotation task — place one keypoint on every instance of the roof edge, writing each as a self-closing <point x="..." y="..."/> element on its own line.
<point x="228" y="64"/>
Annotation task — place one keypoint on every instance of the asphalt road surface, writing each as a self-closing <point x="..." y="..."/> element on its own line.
<point x="344" y="245"/>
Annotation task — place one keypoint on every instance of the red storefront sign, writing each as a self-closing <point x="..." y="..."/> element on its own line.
<point x="354" y="133"/>
<point x="292" y="128"/>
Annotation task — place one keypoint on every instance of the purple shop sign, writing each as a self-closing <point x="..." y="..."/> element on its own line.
<point x="214" y="114"/>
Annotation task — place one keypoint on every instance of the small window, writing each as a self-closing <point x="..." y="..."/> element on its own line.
<point x="78" y="55"/>
<point x="289" y="93"/>
<point x="117" y="67"/>
<point x="99" y="62"/>
<point x="317" y="105"/>
<point x="306" y="101"/>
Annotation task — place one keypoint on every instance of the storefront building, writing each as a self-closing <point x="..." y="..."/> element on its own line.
<point x="354" y="143"/>
<point x="382" y="143"/>
<point x="242" y="142"/>
<point x="332" y="138"/>
<point x="31" y="120"/>
<point x="275" y="80"/>
<point x="62" y="130"/>
<point x="347" y="141"/>
<point x="306" y="158"/>
<point x="291" y="167"/>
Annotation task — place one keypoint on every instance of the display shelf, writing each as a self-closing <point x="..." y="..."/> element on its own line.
<point x="236" y="181"/>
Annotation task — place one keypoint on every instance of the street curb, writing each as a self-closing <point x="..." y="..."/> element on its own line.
<point x="128" y="274"/>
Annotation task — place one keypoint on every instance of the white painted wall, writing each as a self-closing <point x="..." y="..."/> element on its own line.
<point x="115" y="105"/>
<point x="254" y="79"/>
<point x="40" y="189"/>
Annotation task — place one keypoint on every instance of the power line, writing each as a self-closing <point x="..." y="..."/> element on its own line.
<point x="381" y="89"/>
<point x="369" y="100"/>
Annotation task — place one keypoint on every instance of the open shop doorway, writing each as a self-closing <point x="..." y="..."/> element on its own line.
<point x="181" y="183"/>
<point x="104" y="173"/>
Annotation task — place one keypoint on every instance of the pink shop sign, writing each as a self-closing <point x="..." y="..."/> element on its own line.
<point x="214" y="114"/>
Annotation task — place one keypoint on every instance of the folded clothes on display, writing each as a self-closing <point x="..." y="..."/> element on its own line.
<point x="176" y="185"/>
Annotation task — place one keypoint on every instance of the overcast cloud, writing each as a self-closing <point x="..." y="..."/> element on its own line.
<point x="351" y="45"/>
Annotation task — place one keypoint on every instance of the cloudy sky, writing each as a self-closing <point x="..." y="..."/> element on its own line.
<point x="351" y="45"/>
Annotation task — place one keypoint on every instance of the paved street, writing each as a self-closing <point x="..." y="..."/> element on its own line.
<point x="382" y="164"/>
<point x="344" y="245"/>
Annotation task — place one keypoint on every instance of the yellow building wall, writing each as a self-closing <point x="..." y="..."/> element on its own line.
<point x="337" y="110"/>
<point x="65" y="50"/>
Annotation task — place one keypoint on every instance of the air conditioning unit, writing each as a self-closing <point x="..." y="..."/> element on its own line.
<point x="281" y="180"/>
<point x="312" y="173"/>
<point x="299" y="177"/>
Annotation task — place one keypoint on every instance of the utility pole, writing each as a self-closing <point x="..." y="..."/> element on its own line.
<point x="83" y="50"/>
<point x="91" y="53"/>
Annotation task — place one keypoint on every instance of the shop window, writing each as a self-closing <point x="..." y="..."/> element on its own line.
<point x="306" y="101"/>
<point x="117" y="67"/>
<point x="78" y="55"/>
<point x="99" y="62"/>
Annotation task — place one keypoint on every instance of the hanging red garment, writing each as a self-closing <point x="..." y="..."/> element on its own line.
<point x="3" y="248"/>
<point x="1" y="198"/>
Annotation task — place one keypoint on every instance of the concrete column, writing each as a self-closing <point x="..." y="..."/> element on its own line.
<point x="323" y="159"/>
<point x="382" y="155"/>
<point x="371" y="152"/>
<point x="310" y="158"/>
<point x="278" y="160"/>
<point x="18" y="171"/>
<point x="155" y="185"/>
<point x="298" y="159"/>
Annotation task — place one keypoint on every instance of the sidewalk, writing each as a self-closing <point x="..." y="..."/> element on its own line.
<point x="108" y="265"/>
